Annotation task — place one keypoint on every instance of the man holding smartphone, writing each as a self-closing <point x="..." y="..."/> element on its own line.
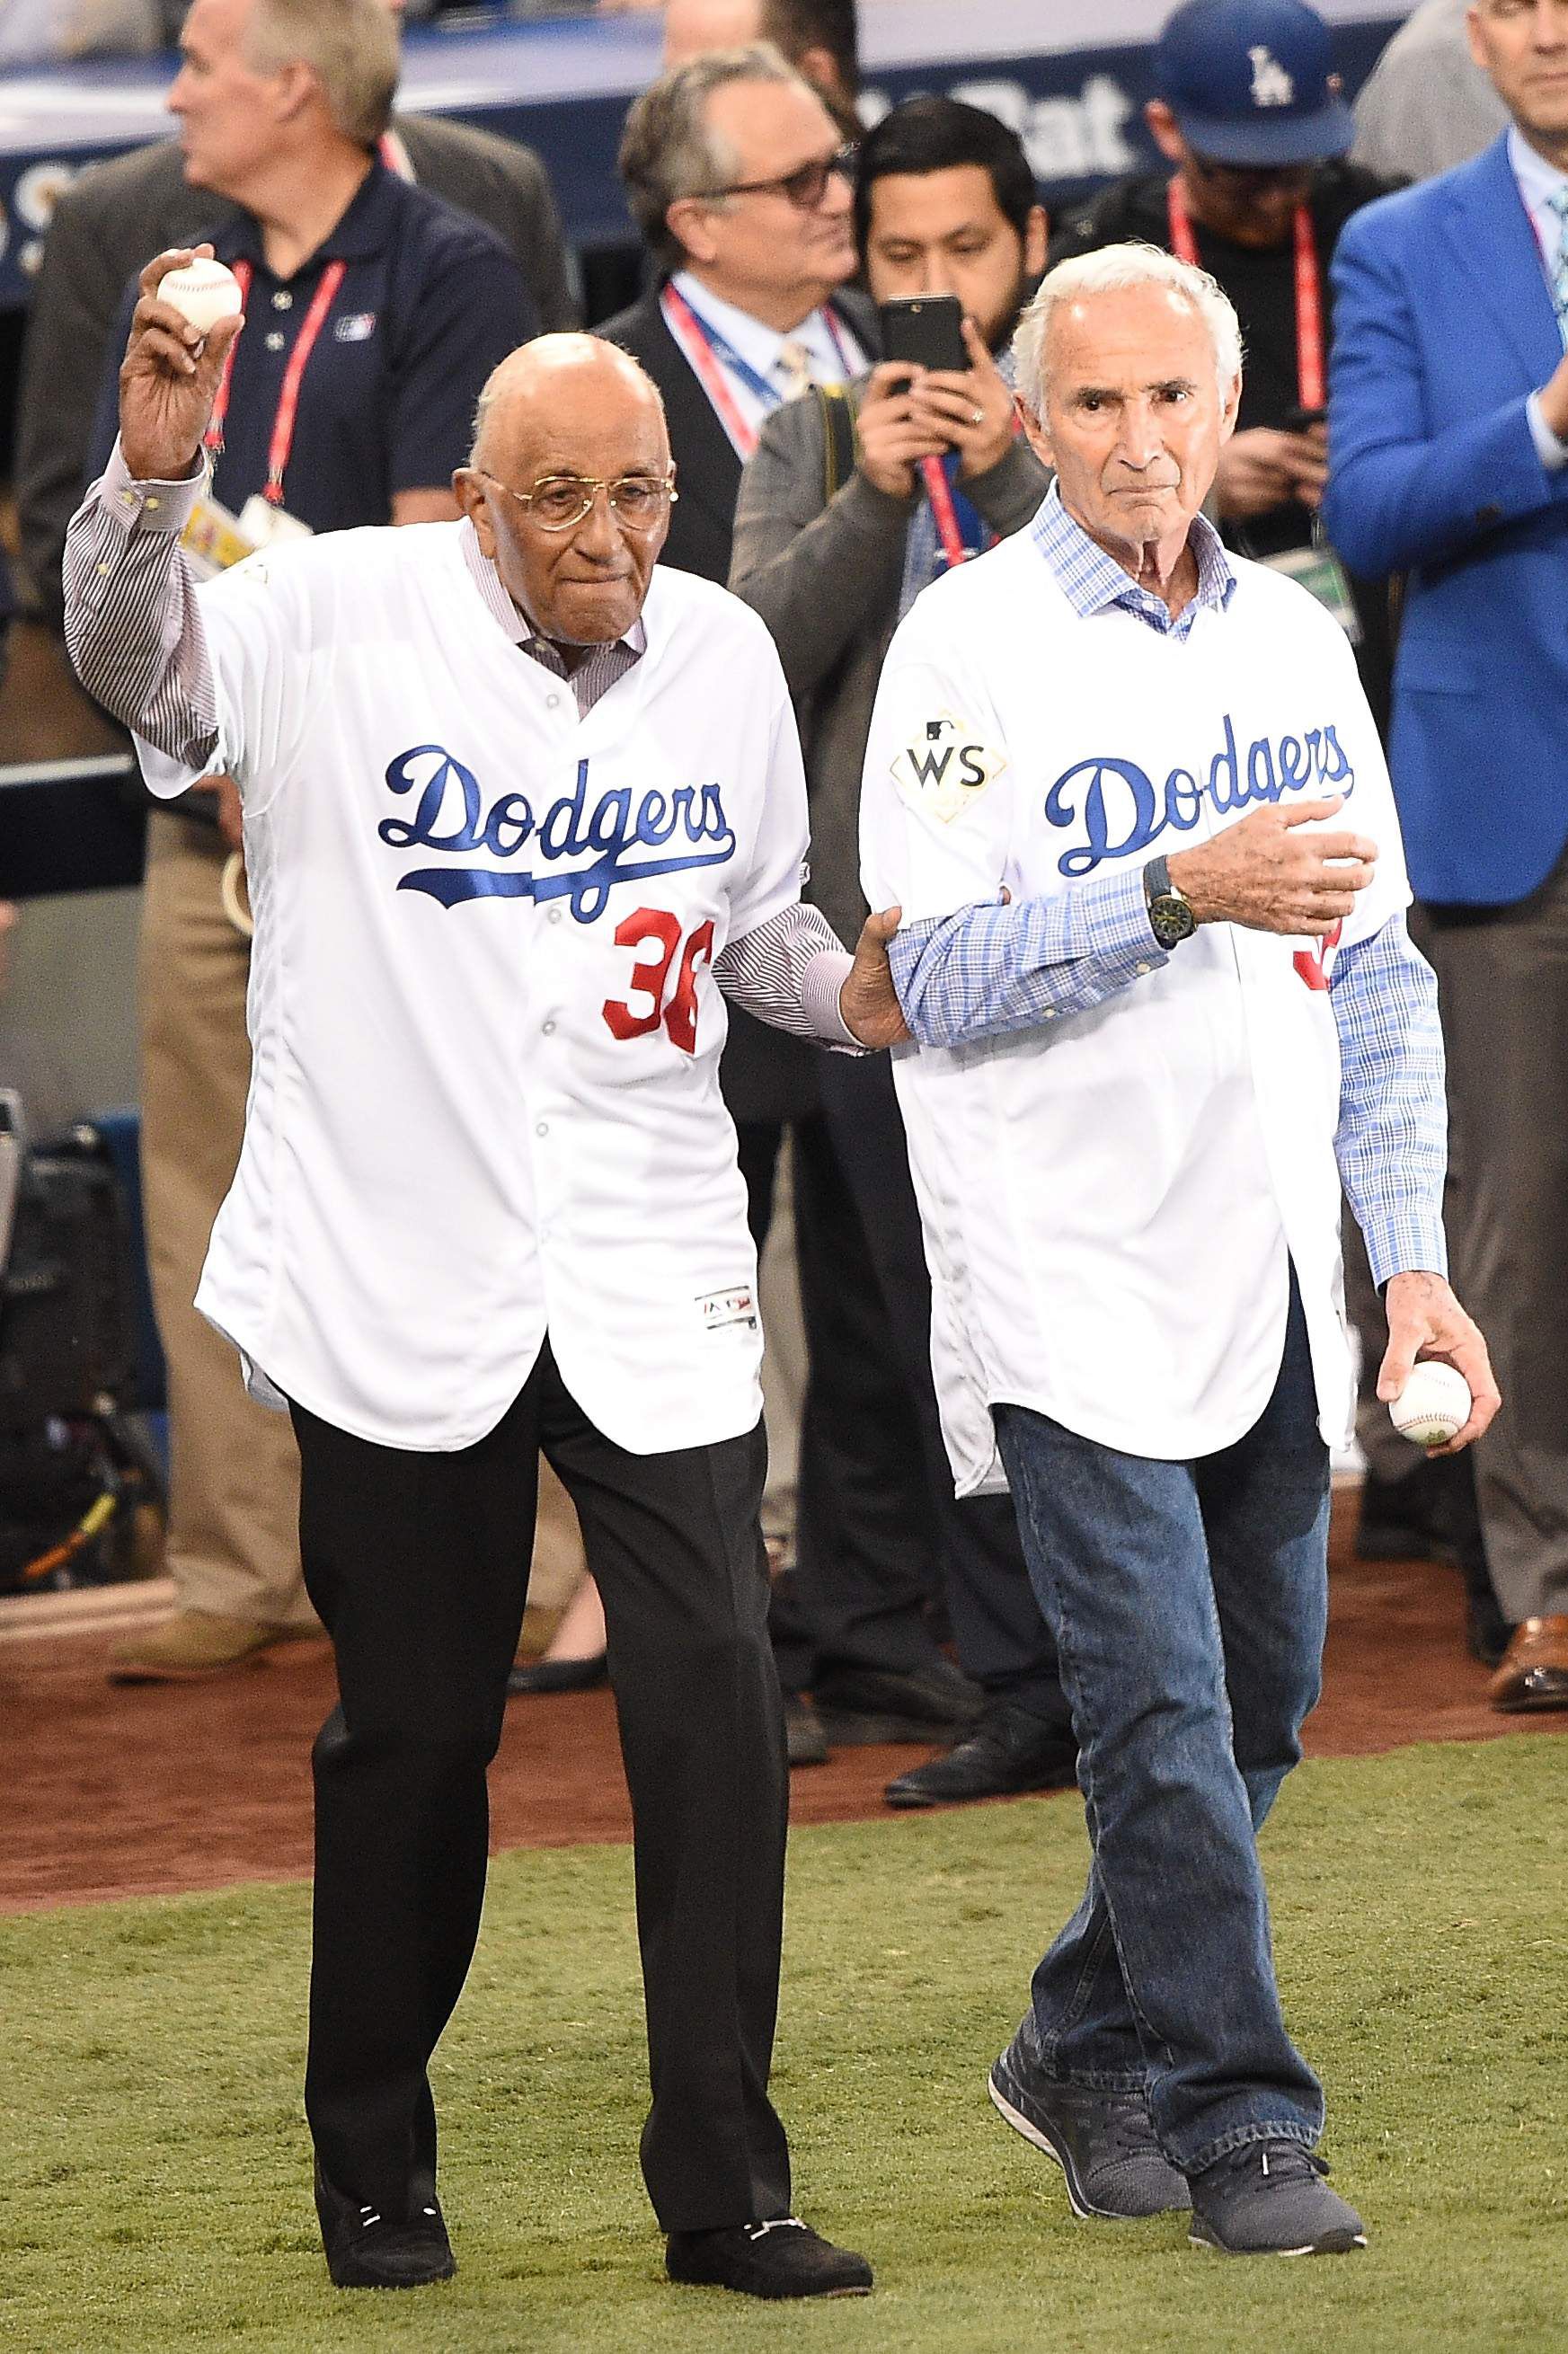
<point x="848" y="510"/>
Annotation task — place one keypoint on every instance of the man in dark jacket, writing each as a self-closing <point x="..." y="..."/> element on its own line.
<point x="946" y="205"/>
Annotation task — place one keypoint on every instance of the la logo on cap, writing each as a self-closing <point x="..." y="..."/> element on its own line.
<point x="1271" y="85"/>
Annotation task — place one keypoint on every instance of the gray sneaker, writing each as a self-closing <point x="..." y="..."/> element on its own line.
<point x="1103" y="2142"/>
<point x="1269" y="2198"/>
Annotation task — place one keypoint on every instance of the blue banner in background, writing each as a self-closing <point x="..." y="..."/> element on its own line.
<point x="562" y="88"/>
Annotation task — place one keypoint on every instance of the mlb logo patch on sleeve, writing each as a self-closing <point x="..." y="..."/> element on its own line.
<point x="356" y="328"/>
<point x="720" y="1309"/>
<point x="947" y="768"/>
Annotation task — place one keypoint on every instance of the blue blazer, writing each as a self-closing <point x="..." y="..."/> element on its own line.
<point x="1443" y="327"/>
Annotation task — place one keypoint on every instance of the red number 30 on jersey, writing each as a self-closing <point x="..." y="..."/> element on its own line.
<point x="657" y="928"/>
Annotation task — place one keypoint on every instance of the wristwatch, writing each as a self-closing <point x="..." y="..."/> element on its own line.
<point x="1170" y="916"/>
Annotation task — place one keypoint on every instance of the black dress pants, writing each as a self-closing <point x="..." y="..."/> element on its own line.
<point x="412" y="1560"/>
<point x="881" y="1535"/>
<point x="1001" y="1636"/>
<point x="867" y="1569"/>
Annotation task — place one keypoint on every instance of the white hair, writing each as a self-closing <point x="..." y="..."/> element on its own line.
<point x="1112" y="270"/>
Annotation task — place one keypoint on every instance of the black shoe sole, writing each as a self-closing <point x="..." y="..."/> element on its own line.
<point x="544" y="1677"/>
<point x="770" y="2295"/>
<point x="858" y="1729"/>
<point x="346" y="2279"/>
<point x="900" y="1792"/>
<point x="1332" y="2243"/>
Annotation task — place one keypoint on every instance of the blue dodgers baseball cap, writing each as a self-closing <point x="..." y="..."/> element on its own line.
<point x="1248" y="82"/>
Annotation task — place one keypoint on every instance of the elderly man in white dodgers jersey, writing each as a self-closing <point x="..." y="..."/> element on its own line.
<point x="520" y="810"/>
<point x="1164" y="1004"/>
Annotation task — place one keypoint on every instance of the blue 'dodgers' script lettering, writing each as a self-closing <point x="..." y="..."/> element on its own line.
<point x="687" y="823"/>
<point x="1121" y="809"/>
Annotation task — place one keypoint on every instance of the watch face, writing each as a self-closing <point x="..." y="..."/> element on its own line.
<point x="1171" y="920"/>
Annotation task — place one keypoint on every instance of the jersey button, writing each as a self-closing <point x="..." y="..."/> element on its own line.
<point x="275" y="341"/>
<point x="543" y="1129"/>
<point x="551" y="701"/>
<point x="282" y="300"/>
<point x="554" y="914"/>
<point x="549" y="1029"/>
<point x="1143" y="968"/>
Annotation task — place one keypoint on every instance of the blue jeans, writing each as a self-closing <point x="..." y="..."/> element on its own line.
<point x="1189" y="1603"/>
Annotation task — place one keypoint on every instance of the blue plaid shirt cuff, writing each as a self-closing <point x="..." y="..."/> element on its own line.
<point x="990" y="970"/>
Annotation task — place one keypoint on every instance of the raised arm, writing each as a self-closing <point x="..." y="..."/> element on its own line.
<point x="131" y="625"/>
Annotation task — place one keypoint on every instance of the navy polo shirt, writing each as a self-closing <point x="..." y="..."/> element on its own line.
<point x="430" y="301"/>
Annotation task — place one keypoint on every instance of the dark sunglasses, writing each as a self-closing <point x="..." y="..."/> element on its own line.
<point x="1256" y="177"/>
<point x="804" y="187"/>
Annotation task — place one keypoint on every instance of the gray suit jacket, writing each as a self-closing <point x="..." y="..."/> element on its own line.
<point x="1428" y="106"/>
<point x="111" y="223"/>
<point x="826" y="580"/>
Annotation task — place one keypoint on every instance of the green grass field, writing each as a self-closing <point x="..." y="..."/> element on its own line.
<point x="154" y="2175"/>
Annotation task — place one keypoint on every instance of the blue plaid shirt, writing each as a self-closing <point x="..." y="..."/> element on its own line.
<point x="990" y="970"/>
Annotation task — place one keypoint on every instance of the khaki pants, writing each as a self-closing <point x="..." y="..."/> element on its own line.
<point x="1502" y="976"/>
<point x="234" y="1492"/>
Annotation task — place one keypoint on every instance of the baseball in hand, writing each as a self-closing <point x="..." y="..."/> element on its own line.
<point x="1434" y="1404"/>
<point x="204" y="293"/>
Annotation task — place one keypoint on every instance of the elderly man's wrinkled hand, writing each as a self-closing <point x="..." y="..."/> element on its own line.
<point x="868" y="999"/>
<point x="170" y="377"/>
<point x="1269" y="874"/>
<point x="1425" y="1319"/>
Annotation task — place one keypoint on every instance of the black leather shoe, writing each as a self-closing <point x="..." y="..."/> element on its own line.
<point x="803" y="1731"/>
<point x="782" y="2258"/>
<point x="859" y="1706"/>
<point x="560" y="1675"/>
<point x="367" y="2248"/>
<point x="1008" y="1750"/>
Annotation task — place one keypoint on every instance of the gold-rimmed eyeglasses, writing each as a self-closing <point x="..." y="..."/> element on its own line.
<point x="638" y="502"/>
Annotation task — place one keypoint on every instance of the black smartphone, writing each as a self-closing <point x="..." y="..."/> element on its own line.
<point x="927" y="330"/>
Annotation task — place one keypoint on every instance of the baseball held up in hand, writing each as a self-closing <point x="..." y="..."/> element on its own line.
<point x="1434" y="1404"/>
<point x="204" y="293"/>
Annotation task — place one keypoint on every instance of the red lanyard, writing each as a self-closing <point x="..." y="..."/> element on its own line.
<point x="709" y="356"/>
<point x="395" y="156"/>
<point x="284" y="424"/>
<point x="939" y="491"/>
<point x="697" y="344"/>
<point x="1310" y="375"/>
